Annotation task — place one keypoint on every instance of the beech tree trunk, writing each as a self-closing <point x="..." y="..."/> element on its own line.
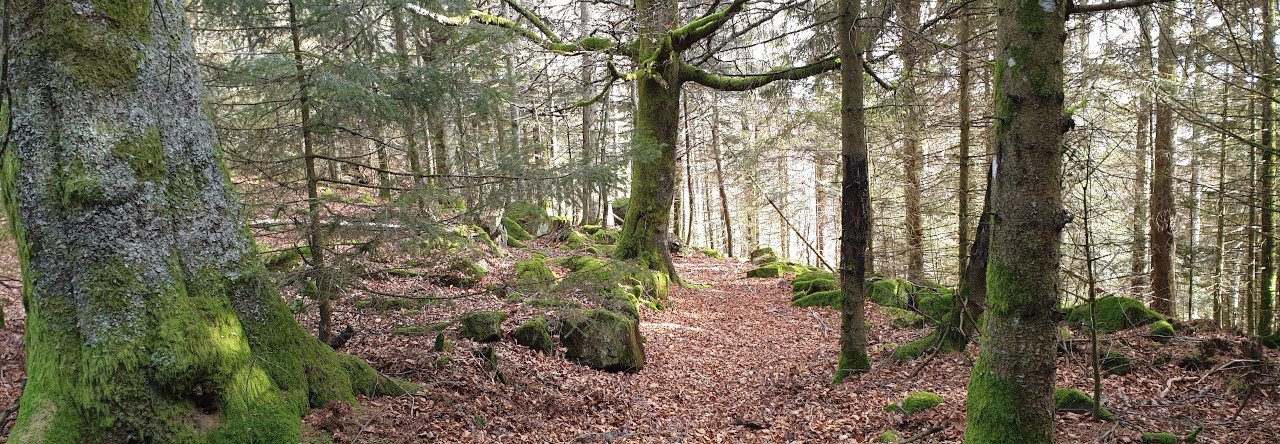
<point x="644" y="235"/>
<point x="1010" y="396"/>
<point x="149" y="316"/>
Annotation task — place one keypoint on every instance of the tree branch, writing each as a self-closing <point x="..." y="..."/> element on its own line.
<point x="537" y="22"/>
<point x="1073" y="8"/>
<point x="684" y="37"/>
<point x="751" y="81"/>
<point x="550" y="41"/>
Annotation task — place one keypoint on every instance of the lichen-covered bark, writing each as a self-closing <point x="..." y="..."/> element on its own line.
<point x="645" y="229"/>
<point x="1010" y="397"/>
<point x="149" y="317"/>
<point x="855" y="197"/>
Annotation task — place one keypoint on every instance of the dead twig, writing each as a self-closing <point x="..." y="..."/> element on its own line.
<point x="1169" y="384"/>
<point x="932" y="430"/>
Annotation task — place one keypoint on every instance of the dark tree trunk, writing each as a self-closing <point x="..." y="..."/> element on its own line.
<point x="855" y="195"/>
<point x="1162" y="210"/>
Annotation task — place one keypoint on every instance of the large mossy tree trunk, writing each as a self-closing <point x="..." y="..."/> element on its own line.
<point x="855" y="195"/>
<point x="149" y="316"/>
<point x="1010" y="396"/>
<point x="645" y="230"/>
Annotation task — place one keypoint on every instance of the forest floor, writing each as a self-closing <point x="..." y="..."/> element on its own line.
<point x="734" y="362"/>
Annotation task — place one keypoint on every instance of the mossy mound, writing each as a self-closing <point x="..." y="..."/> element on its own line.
<point x="515" y="230"/>
<point x="513" y="243"/>
<point x="534" y="272"/>
<point x="714" y="254"/>
<point x="530" y="216"/>
<point x="1116" y="363"/>
<point x="1114" y="313"/>
<point x="574" y="240"/>
<point x="533" y="334"/>
<point x="934" y="303"/>
<point x="602" y="340"/>
<point x="604" y="237"/>
<point x="889" y="292"/>
<point x="829" y="298"/>
<point x="759" y="253"/>
<point x="1160" y="438"/>
<point x="552" y="303"/>
<point x="1161" y="330"/>
<point x="1072" y="400"/>
<point x="481" y="327"/>
<point x="913" y="349"/>
<point x="904" y="318"/>
<point x="603" y="276"/>
<point x="812" y="282"/>
<point x="888" y="436"/>
<point x="916" y="402"/>
<point x="766" y="271"/>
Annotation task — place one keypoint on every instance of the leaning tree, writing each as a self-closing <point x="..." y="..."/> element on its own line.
<point x="149" y="316"/>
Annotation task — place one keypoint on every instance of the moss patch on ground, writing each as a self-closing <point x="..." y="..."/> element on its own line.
<point x="1114" y="313"/>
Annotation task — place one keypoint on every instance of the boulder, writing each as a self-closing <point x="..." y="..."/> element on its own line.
<point x="764" y="272"/>
<point x="481" y="327"/>
<point x="829" y="298"/>
<point x="1116" y="363"/>
<point x="889" y="292"/>
<point x="1114" y="313"/>
<point x="916" y="402"/>
<point x="1072" y="400"/>
<point x="602" y="340"/>
<point x="534" y="273"/>
<point x="533" y="334"/>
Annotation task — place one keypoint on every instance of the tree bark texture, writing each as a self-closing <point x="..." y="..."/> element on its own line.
<point x="149" y="316"/>
<point x="912" y="156"/>
<point x="855" y="195"/>
<point x="1010" y="398"/>
<point x="644" y="235"/>
<point x="1162" y="209"/>
<point x="1267" y="286"/>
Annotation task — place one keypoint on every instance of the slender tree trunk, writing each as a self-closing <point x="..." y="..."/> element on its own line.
<point x="1162" y="210"/>
<point x="1266" y="290"/>
<point x="1221" y="310"/>
<point x="854" y="194"/>
<point x="1249" y="302"/>
<point x="1010" y="397"/>
<point x="149" y="316"/>
<point x="410" y="123"/>
<point x="325" y="288"/>
<point x="724" y="197"/>
<point x="1138" y="249"/>
<point x="912" y="156"/>
<point x="962" y="182"/>
<point x="688" y="172"/>
<point x="590" y="142"/>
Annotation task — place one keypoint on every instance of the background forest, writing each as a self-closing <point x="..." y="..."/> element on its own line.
<point x="408" y="168"/>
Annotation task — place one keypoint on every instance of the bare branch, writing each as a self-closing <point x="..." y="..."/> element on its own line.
<point x="751" y="81"/>
<point x="1073" y="8"/>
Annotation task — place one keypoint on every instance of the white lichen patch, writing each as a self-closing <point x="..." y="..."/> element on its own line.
<point x="1048" y="5"/>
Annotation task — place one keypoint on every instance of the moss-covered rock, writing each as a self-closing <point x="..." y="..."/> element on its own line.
<point x="759" y="253"/>
<point x="1160" y="438"/>
<point x="714" y="254"/>
<point x="916" y="402"/>
<point x="481" y="327"/>
<point x="513" y="243"/>
<point x="829" y="298"/>
<point x="1115" y="313"/>
<point x="530" y="216"/>
<point x="914" y="349"/>
<point x="604" y="237"/>
<point x="534" y="272"/>
<point x="903" y="318"/>
<point x="602" y="340"/>
<point x="1161" y="330"/>
<point x="603" y="277"/>
<point x="1072" y="400"/>
<point x="533" y="334"/>
<point x="812" y="282"/>
<point x="1116" y="363"/>
<point x="766" y="271"/>
<point x="574" y="240"/>
<point x="552" y="303"/>
<point x="888" y="436"/>
<point x="515" y="230"/>
<point x="889" y="292"/>
<point x="934" y="303"/>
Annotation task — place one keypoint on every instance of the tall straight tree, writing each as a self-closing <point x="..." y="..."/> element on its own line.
<point x="855" y="194"/>
<point x="912" y="156"/>
<point x="1162" y="210"/>
<point x="149" y="316"/>
<point x="1138" y="251"/>
<point x="1010" y="398"/>
<point x="1266" y="290"/>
